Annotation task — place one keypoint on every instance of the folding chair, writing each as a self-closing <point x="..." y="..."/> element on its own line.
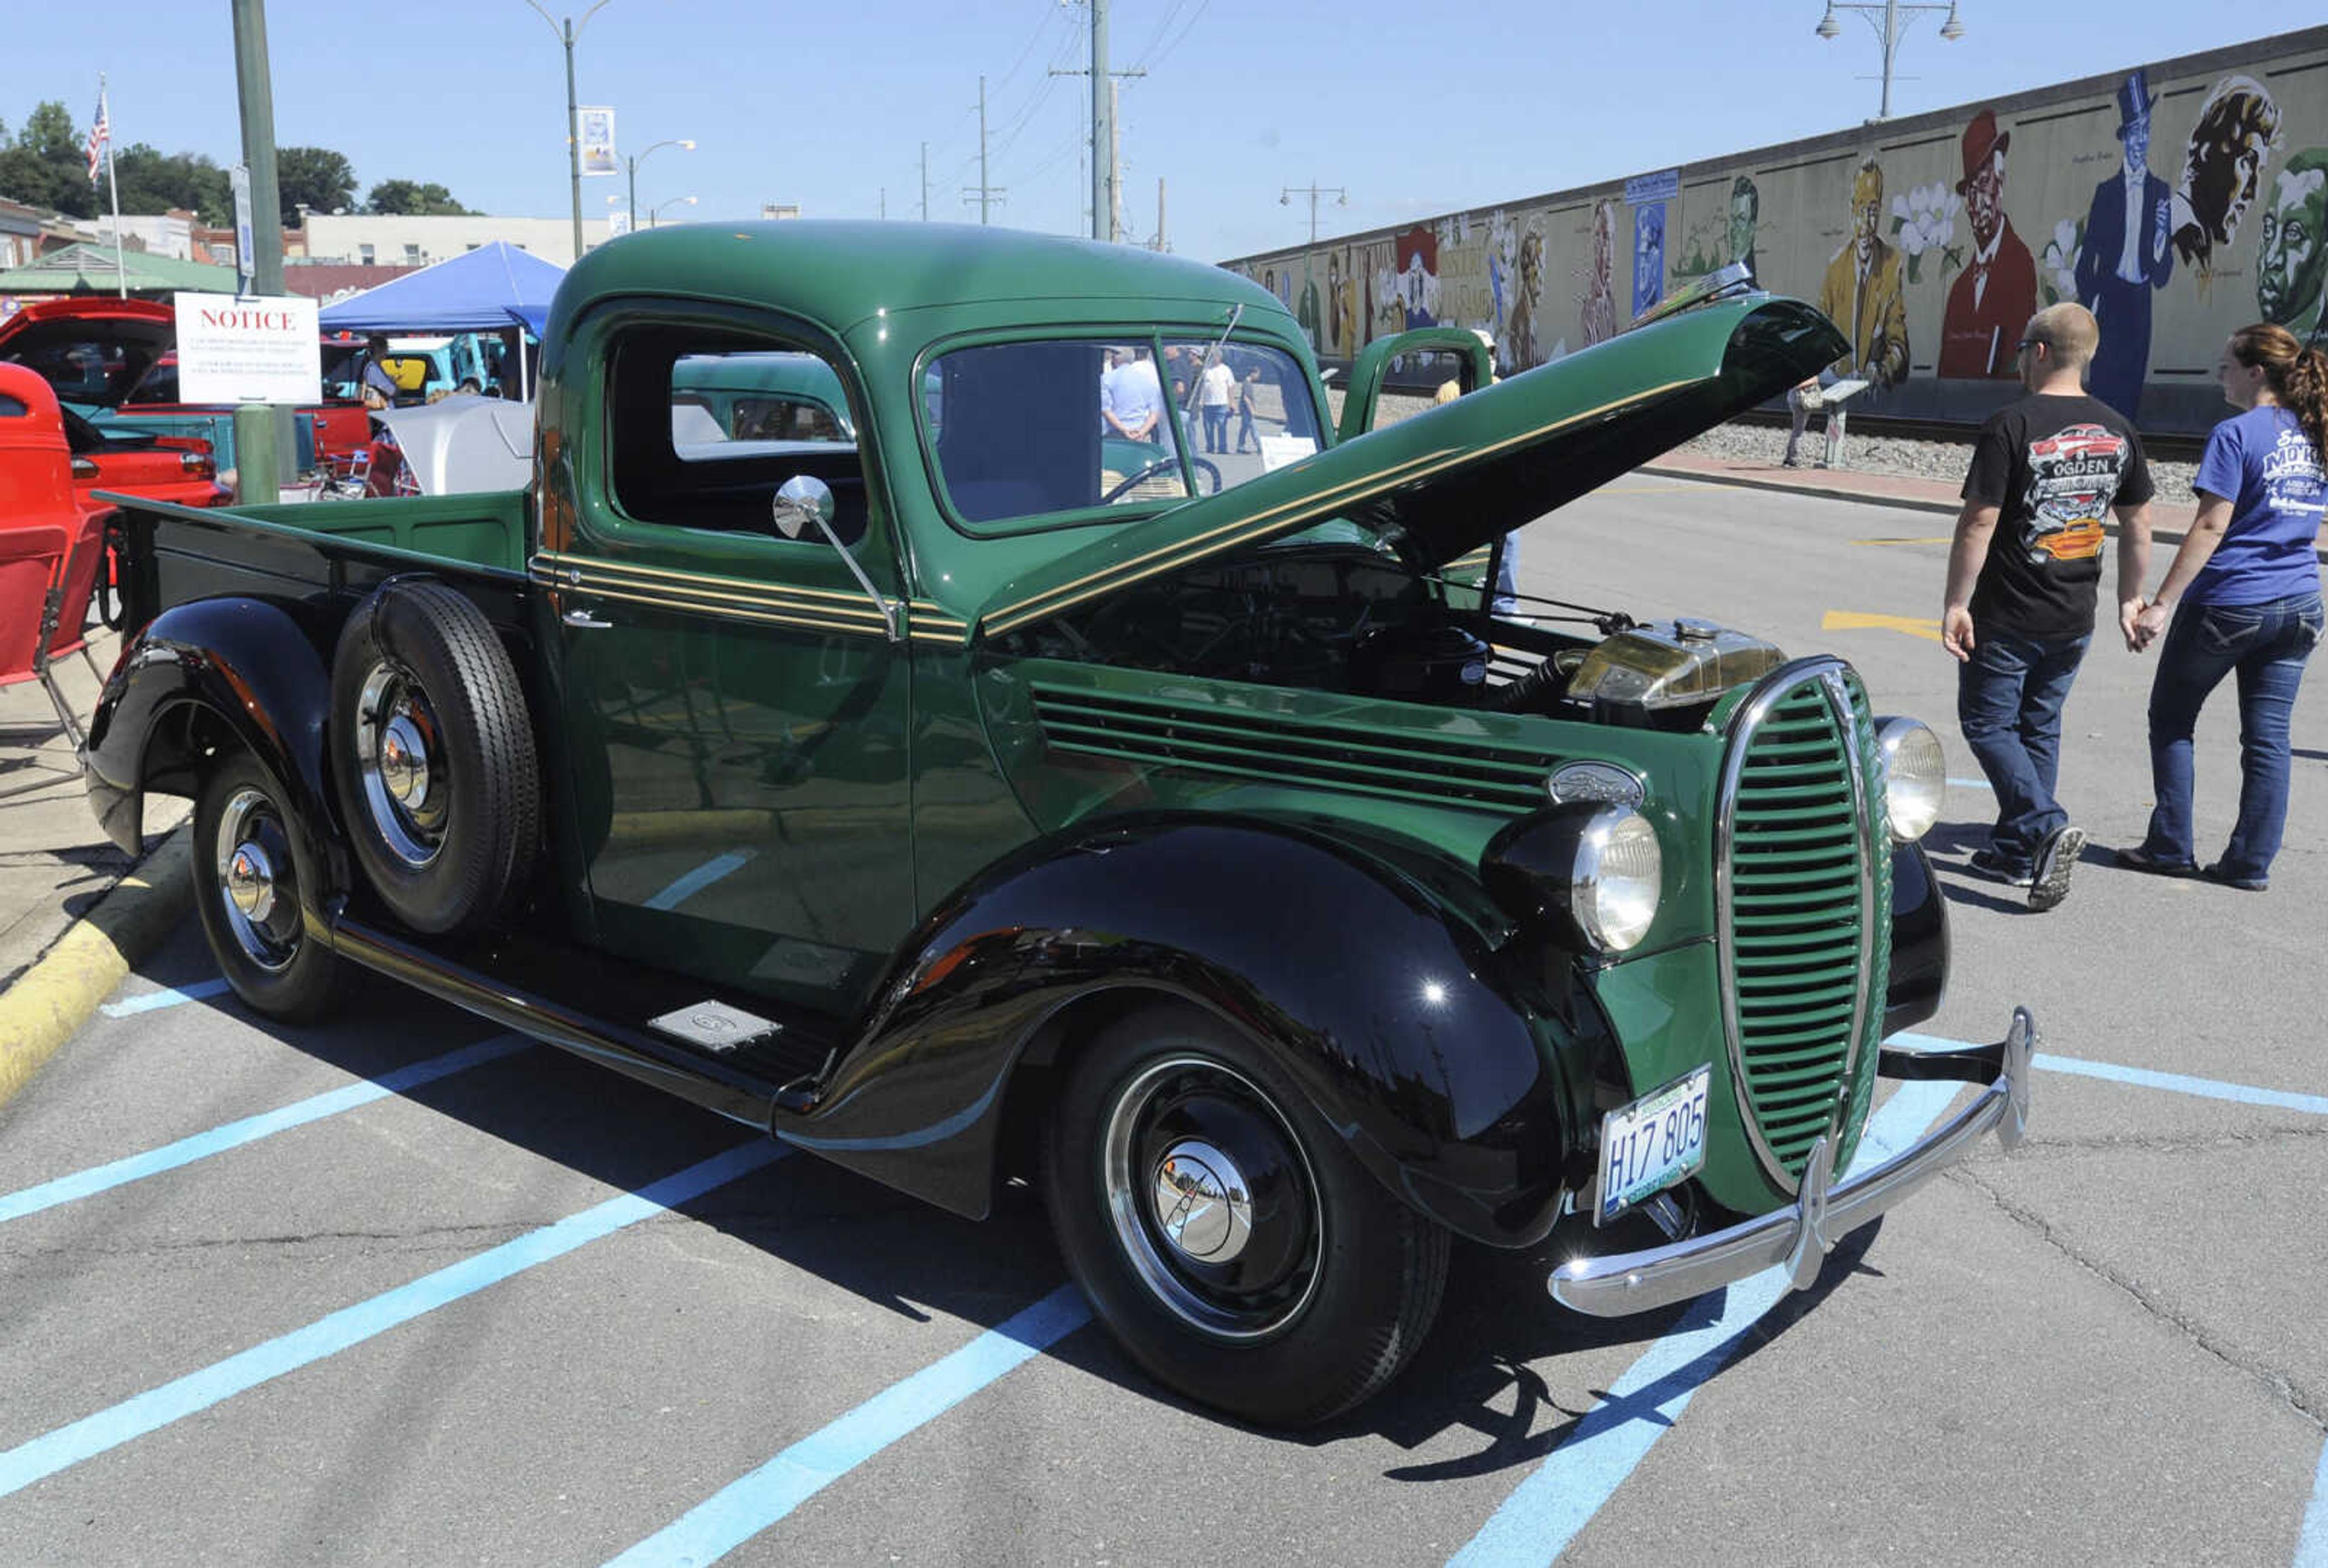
<point x="78" y="583"/>
<point x="34" y="563"/>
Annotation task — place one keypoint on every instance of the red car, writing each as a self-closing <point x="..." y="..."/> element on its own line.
<point x="116" y="359"/>
<point x="134" y="462"/>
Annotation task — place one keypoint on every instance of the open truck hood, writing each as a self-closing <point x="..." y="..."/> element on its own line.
<point x="1447" y="482"/>
<point x="132" y="332"/>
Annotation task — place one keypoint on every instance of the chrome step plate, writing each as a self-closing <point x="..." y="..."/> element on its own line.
<point x="714" y="1026"/>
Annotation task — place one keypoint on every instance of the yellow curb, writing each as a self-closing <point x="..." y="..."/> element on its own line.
<point x="50" y="1002"/>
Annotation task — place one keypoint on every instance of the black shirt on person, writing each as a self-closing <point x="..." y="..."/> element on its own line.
<point x="2053" y="467"/>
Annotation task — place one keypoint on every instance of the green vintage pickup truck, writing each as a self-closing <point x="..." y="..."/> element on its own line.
<point x="960" y="791"/>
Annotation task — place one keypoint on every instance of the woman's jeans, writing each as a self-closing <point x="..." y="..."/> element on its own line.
<point x="2266" y="644"/>
<point x="2009" y="697"/>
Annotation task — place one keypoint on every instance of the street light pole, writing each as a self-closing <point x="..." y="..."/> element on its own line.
<point x="1892" y="25"/>
<point x="1313" y="191"/>
<point x="655" y="213"/>
<point x="569" y="34"/>
<point x="687" y="142"/>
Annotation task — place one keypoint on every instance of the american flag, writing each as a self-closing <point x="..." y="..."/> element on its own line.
<point x="99" y="135"/>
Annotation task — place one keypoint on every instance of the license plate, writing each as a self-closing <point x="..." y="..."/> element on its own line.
<point x="1652" y="1143"/>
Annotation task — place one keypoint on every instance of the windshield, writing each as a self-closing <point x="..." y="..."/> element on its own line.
<point x="1028" y="434"/>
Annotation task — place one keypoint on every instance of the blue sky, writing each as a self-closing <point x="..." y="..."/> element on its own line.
<point x="1414" y="109"/>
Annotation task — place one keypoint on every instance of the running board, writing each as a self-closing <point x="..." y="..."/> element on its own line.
<point x="746" y="1082"/>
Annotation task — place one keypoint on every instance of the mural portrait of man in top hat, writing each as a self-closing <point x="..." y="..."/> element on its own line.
<point x="2127" y="253"/>
<point x="2292" y="262"/>
<point x="1995" y="294"/>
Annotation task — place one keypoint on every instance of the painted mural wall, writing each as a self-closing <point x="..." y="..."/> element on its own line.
<point x="2177" y="201"/>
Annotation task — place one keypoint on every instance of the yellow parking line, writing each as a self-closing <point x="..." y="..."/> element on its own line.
<point x="1859" y="621"/>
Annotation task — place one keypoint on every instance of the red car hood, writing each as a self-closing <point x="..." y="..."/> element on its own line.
<point x="139" y="331"/>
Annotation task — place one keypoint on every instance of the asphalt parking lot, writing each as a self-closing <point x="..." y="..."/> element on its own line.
<point x="404" y="1289"/>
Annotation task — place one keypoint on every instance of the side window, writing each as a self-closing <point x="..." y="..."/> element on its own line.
<point x="1414" y="383"/>
<point x="705" y="426"/>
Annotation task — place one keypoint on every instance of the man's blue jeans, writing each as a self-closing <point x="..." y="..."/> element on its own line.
<point x="2266" y="644"/>
<point x="2009" y="698"/>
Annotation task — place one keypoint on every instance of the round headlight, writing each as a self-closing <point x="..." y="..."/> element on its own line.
<point x="1916" y="780"/>
<point x="1619" y="878"/>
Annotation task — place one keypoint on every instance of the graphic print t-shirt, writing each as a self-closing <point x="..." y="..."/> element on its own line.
<point x="2265" y="466"/>
<point x="2052" y="467"/>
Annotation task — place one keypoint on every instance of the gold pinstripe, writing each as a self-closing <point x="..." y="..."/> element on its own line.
<point x="737" y="587"/>
<point x="1180" y="552"/>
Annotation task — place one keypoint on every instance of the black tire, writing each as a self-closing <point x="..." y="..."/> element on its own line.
<point x="246" y="839"/>
<point x="1320" y="1291"/>
<point x="419" y="676"/>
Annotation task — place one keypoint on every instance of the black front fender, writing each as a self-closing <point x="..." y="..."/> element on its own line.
<point x="241" y="668"/>
<point x="1445" y="1072"/>
<point x="1920" y="942"/>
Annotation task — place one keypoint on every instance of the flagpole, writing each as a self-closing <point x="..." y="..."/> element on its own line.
<point x="105" y="117"/>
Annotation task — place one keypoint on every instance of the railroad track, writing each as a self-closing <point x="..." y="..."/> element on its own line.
<point x="2169" y="448"/>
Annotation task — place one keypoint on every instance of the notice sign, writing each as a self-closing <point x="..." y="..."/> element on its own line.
<point x="248" y="350"/>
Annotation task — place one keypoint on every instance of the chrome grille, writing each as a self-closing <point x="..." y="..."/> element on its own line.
<point x="1797" y="895"/>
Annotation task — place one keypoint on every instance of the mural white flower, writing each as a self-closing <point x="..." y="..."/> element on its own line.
<point x="1924" y="217"/>
<point x="2060" y="260"/>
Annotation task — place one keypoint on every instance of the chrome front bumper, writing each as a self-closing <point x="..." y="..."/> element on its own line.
<point x="1799" y="1238"/>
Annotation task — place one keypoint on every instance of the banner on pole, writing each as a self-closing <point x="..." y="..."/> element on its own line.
<point x="595" y="130"/>
<point x="248" y="350"/>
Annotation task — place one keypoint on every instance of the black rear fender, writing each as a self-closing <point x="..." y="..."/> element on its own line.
<point x="206" y="677"/>
<point x="1398" y="1023"/>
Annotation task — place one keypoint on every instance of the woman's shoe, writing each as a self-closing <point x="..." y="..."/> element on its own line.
<point x="2138" y="859"/>
<point x="2215" y="873"/>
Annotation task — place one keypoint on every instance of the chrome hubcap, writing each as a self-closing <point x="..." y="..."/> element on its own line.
<point x="1202" y="1204"/>
<point x="400" y="757"/>
<point x="251" y="881"/>
<point x="256" y="891"/>
<point x="404" y="761"/>
<point x="1211" y="1199"/>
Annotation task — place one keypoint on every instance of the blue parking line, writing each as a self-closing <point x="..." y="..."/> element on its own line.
<point x="1544" y="1513"/>
<point x="749" y="1505"/>
<point x="234" y="1134"/>
<point x="152" y="1001"/>
<point x="2144" y="1077"/>
<point x="1970" y="783"/>
<point x="156" y="1408"/>
<point x="696" y="880"/>
<point x="2312" y="1540"/>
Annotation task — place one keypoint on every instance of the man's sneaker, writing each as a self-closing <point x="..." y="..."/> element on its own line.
<point x="2216" y="873"/>
<point x="2056" y="857"/>
<point x="1989" y="863"/>
<point x="2135" y="858"/>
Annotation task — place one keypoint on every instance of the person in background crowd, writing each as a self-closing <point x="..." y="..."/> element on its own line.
<point x="1213" y="389"/>
<point x="376" y="387"/>
<point x="2244" y="596"/>
<point x="2019" y="611"/>
<point x="1248" y="391"/>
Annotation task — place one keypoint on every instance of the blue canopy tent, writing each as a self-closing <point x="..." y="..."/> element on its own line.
<point x="476" y="292"/>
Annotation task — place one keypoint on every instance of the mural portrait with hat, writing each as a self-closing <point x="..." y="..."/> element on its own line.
<point x="1861" y="289"/>
<point x="2128" y="254"/>
<point x="2222" y="169"/>
<point x="1996" y="293"/>
<point x="2292" y="262"/>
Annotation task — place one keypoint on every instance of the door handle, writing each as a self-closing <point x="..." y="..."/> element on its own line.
<point x="583" y="620"/>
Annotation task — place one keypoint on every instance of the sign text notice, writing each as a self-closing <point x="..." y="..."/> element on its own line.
<point x="248" y="350"/>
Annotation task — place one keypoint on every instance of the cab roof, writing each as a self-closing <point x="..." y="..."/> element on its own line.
<point x="842" y="274"/>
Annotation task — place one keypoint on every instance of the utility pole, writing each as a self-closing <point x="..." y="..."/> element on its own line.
<point x="925" y="181"/>
<point x="1313" y="191"/>
<point x="884" y="203"/>
<point x="1103" y="145"/>
<point x="1160" y="244"/>
<point x="573" y="130"/>
<point x="264" y="449"/>
<point x="1114" y="161"/>
<point x="985" y="193"/>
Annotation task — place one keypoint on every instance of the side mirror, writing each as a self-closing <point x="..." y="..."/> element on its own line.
<point x="801" y="502"/>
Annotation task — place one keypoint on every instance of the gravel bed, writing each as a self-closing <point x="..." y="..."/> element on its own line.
<point x="1941" y="460"/>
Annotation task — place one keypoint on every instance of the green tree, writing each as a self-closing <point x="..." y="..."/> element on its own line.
<point x="411" y="199"/>
<point x="154" y="181"/>
<point x="323" y="179"/>
<point x="47" y="164"/>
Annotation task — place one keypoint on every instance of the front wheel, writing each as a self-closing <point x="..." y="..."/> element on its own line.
<point x="1223" y="1233"/>
<point x="247" y="871"/>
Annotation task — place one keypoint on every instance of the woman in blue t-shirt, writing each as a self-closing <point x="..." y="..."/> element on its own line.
<point x="2243" y="593"/>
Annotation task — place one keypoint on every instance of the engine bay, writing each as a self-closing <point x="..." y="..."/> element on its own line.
<point x="1351" y="618"/>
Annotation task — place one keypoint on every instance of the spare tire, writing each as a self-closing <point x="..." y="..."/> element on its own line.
<point x="433" y="758"/>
